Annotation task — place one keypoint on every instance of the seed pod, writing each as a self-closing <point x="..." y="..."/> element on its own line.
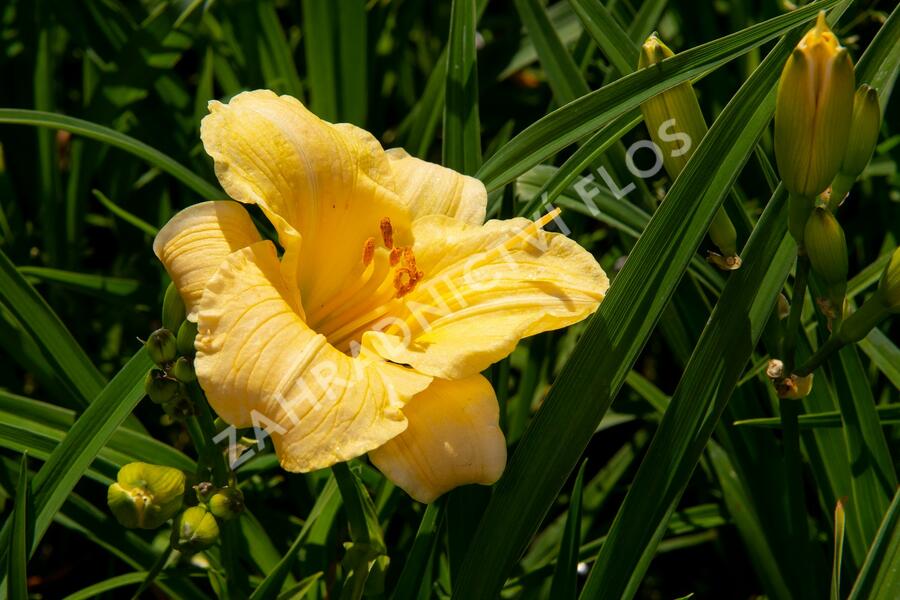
<point x="183" y="370"/>
<point x="226" y="503"/>
<point x="889" y="286"/>
<point x="195" y="530"/>
<point x="145" y="496"/>
<point x="173" y="308"/>
<point x="676" y="125"/>
<point x="185" y="341"/>
<point x="161" y="347"/>
<point x="813" y="112"/>
<point x="159" y="387"/>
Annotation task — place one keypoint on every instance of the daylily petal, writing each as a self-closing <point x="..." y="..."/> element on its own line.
<point x="431" y="189"/>
<point x="483" y="289"/>
<point x="329" y="185"/>
<point x="194" y="243"/>
<point x="260" y="365"/>
<point x="453" y="439"/>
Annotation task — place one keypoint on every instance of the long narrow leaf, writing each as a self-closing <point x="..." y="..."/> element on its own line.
<point x="113" y="138"/>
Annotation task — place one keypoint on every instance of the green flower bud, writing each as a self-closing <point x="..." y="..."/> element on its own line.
<point x="195" y="530"/>
<point x="173" y="308"/>
<point x="671" y="115"/>
<point x="185" y="342"/>
<point x="827" y="251"/>
<point x="145" y="496"/>
<point x="864" y="126"/>
<point x="227" y="503"/>
<point x="161" y="347"/>
<point x="813" y="112"/>
<point x="159" y="387"/>
<point x="183" y="370"/>
<point x="889" y="286"/>
<point x="676" y="126"/>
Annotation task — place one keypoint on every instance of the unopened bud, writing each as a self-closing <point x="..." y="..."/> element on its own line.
<point x="185" y="341"/>
<point x="676" y="125"/>
<point x="173" y="308"/>
<point x="775" y="369"/>
<point x="794" y="387"/>
<point x="160" y="387"/>
<point x="813" y="112"/>
<point x="826" y="247"/>
<point x="864" y="126"/>
<point x="195" y="530"/>
<point x="161" y="347"/>
<point x="226" y="503"/>
<point x="183" y="370"/>
<point x="889" y="286"/>
<point x="145" y="496"/>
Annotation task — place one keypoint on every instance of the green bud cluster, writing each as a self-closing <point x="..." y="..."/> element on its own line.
<point x="174" y="357"/>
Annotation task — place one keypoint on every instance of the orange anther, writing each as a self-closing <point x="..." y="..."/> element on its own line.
<point x="395" y="255"/>
<point x="368" y="251"/>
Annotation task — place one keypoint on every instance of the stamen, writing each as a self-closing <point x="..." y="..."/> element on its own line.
<point x="368" y="251"/>
<point x="395" y="255"/>
<point x="387" y="232"/>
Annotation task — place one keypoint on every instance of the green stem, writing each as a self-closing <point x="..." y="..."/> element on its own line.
<point x="155" y="570"/>
<point x="798" y="532"/>
<point x="202" y="431"/>
<point x="793" y="323"/>
<point x="821" y="355"/>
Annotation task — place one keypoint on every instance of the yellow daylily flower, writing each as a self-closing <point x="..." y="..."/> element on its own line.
<point x="368" y="331"/>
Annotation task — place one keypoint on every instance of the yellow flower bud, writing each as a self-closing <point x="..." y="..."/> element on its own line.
<point x="183" y="370"/>
<point x="226" y="503"/>
<point x="185" y="340"/>
<point x="813" y="112"/>
<point x="160" y="387"/>
<point x="161" y="346"/>
<point x="889" y="286"/>
<point x="145" y="496"/>
<point x="173" y="308"/>
<point x="826" y="247"/>
<point x="676" y="126"/>
<point x="195" y="530"/>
